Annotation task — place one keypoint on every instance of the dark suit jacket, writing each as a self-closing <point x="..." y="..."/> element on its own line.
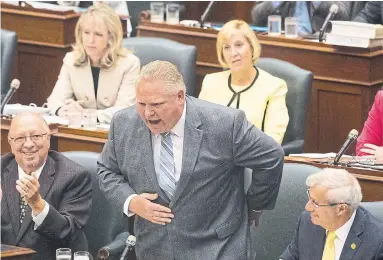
<point x="209" y="205"/>
<point x="366" y="233"/>
<point x="262" y="10"/>
<point x="371" y="13"/>
<point x="66" y="187"/>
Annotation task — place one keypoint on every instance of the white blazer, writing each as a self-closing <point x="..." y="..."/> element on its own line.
<point x="116" y="86"/>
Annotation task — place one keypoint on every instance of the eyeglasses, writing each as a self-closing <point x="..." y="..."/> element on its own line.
<point x="22" y="139"/>
<point x="316" y="205"/>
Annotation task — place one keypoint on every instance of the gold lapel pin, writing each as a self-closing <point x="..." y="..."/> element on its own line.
<point x="353" y="246"/>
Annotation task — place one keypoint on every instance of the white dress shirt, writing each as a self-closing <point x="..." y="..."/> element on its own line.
<point x="341" y="235"/>
<point x="177" y="135"/>
<point x="40" y="217"/>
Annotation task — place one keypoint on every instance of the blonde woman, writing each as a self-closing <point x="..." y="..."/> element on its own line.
<point x="98" y="73"/>
<point x="244" y="86"/>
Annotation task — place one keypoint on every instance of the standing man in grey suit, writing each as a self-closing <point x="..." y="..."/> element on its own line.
<point x="46" y="197"/>
<point x="177" y="163"/>
<point x="334" y="227"/>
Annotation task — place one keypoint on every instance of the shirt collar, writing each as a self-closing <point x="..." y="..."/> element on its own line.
<point x="37" y="172"/>
<point x="343" y="231"/>
<point x="179" y="128"/>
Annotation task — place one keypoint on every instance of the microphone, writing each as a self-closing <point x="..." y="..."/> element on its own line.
<point x="350" y="138"/>
<point x="15" y="84"/>
<point x="112" y="248"/>
<point x="130" y="243"/>
<point x="332" y="12"/>
<point x="206" y="13"/>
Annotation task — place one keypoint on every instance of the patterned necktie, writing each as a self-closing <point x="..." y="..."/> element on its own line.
<point x="23" y="209"/>
<point x="166" y="179"/>
<point x="329" y="247"/>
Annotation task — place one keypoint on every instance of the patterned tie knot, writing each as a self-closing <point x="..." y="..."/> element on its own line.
<point x="165" y="134"/>
<point x="23" y="209"/>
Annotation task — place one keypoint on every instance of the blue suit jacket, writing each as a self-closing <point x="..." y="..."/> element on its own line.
<point x="366" y="233"/>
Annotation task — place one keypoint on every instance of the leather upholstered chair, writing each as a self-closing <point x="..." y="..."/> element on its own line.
<point x="299" y="82"/>
<point x="375" y="208"/>
<point x="8" y="50"/>
<point x="149" y="49"/>
<point x="106" y="224"/>
<point x="277" y="226"/>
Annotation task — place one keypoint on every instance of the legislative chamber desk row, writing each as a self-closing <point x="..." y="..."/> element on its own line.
<point x="69" y="139"/>
<point x="16" y="253"/>
<point x="345" y="79"/>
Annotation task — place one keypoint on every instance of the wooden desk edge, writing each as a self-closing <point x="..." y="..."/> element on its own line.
<point x="16" y="251"/>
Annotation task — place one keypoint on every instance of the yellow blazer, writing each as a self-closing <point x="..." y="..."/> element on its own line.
<point x="266" y="88"/>
<point x="116" y="86"/>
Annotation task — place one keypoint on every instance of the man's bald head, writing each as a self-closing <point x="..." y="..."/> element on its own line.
<point x="27" y="117"/>
<point x="29" y="137"/>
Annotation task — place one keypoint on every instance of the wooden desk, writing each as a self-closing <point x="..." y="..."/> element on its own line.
<point x="70" y="139"/>
<point x="345" y="80"/>
<point x="16" y="253"/>
<point x="44" y="37"/>
<point x="222" y="11"/>
<point x="370" y="180"/>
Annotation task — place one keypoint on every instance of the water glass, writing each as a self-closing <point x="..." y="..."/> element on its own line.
<point x="274" y="25"/>
<point x="82" y="255"/>
<point x="291" y="27"/>
<point x="157" y="12"/>
<point x="63" y="254"/>
<point x="74" y="119"/>
<point x="173" y="13"/>
<point x="90" y="119"/>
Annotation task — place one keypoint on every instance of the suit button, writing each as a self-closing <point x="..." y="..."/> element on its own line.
<point x="86" y="98"/>
<point x="106" y="99"/>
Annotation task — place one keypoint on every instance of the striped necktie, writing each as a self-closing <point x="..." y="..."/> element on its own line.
<point x="166" y="179"/>
<point x="329" y="247"/>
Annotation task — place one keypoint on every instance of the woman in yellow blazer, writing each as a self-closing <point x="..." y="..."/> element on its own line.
<point x="98" y="73"/>
<point x="244" y="86"/>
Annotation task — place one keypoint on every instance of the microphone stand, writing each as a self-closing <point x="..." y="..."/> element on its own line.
<point x="206" y="13"/>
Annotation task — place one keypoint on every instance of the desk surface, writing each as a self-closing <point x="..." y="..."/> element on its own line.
<point x="14" y="252"/>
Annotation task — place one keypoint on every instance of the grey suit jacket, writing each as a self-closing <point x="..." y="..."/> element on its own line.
<point x="366" y="233"/>
<point x="262" y="10"/>
<point x="371" y="13"/>
<point x="209" y="204"/>
<point x="66" y="187"/>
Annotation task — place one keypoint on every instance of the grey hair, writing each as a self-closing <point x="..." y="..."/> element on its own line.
<point x="342" y="186"/>
<point x="165" y="71"/>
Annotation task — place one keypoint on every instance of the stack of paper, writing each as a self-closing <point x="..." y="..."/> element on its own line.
<point x="354" y="34"/>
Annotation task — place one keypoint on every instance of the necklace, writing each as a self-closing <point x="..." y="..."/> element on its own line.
<point x="235" y="94"/>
